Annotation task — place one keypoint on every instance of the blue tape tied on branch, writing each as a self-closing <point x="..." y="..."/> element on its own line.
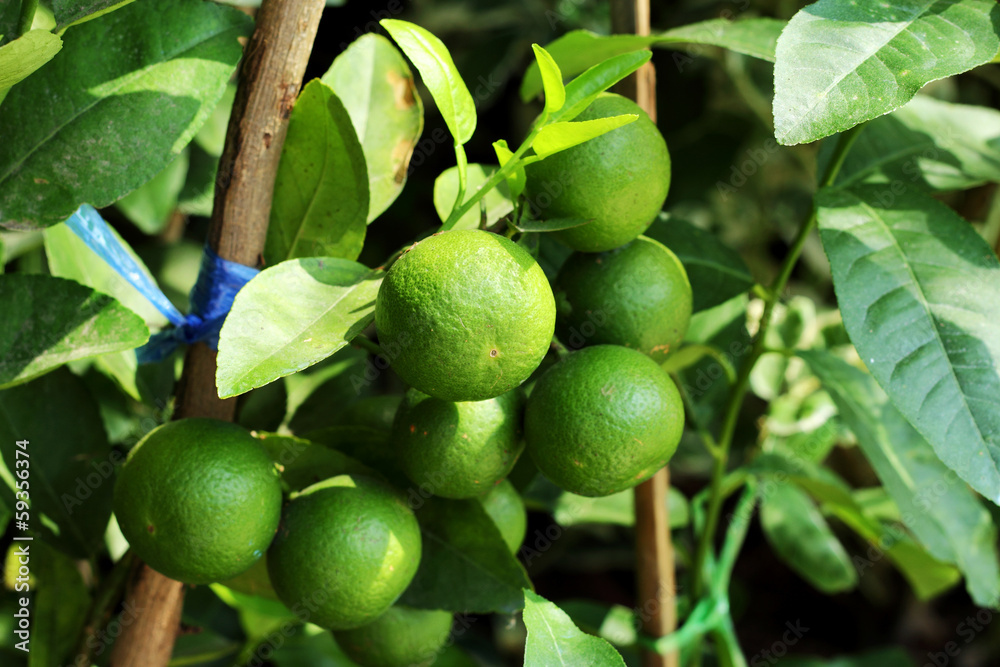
<point x="211" y="298"/>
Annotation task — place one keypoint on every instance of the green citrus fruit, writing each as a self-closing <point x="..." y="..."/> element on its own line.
<point x="345" y="550"/>
<point x="198" y="500"/>
<point x="603" y="420"/>
<point x="465" y="315"/>
<point x="401" y="637"/>
<point x="619" y="180"/>
<point x="458" y="450"/>
<point x="637" y="296"/>
<point x="506" y="508"/>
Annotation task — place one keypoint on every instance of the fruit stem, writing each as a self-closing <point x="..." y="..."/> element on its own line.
<point x="366" y="343"/>
<point x="498" y="177"/>
<point x="736" y="395"/>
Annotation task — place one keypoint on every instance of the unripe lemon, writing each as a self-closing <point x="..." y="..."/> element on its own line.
<point x="401" y="637"/>
<point x="198" y="500"/>
<point x="603" y="420"/>
<point x="346" y="549"/>
<point x="637" y="296"/>
<point x="458" y="450"/>
<point x="620" y="180"/>
<point x="465" y="315"/>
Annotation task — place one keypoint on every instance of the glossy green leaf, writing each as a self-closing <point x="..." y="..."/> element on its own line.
<point x="717" y="272"/>
<point x="59" y="607"/>
<point x="69" y="257"/>
<point x="557" y="137"/>
<point x="939" y="508"/>
<point x="96" y="123"/>
<point x="584" y="89"/>
<point x="497" y="202"/>
<point x="916" y="287"/>
<point x="927" y="575"/>
<point x="71" y="464"/>
<point x="21" y="57"/>
<point x="517" y="180"/>
<point x="432" y="59"/>
<point x="10" y="20"/>
<point x="934" y="144"/>
<point x="552" y="80"/>
<point x="291" y="316"/>
<point x="554" y="641"/>
<point x="841" y="63"/>
<point x="466" y="566"/>
<point x="550" y="225"/>
<point x="197" y="196"/>
<point x="799" y="534"/>
<point x="303" y="463"/>
<point x="68" y="12"/>
<point x="376" y="86"/>
<point x="320" y="205"/>
<point x="151" y="206"/>
<point x="579" y="50"/>
<point x="49" y="321"/>
<point x="212" y="136"/>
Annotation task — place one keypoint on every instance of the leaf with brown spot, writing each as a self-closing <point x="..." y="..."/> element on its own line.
<point x="376" y="86"/>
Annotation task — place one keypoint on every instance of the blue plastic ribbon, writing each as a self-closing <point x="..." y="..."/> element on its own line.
<point x="211" y="298"/>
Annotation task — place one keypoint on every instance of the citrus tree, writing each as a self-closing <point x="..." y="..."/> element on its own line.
<point x="356" y="421"/>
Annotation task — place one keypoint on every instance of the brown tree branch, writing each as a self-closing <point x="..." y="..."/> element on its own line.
<point x="270" y="77"/>
<point x="655" y="581"/>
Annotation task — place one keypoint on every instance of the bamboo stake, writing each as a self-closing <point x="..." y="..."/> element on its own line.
<point x="656" y="585"/>
<point x="270" y="76"/>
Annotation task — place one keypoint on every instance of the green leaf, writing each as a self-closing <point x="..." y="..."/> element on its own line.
<point x="21" y="57"/>
<point x="517" y="180"/>
<point x="150" y="207"/>
<point x="841" y="63"/>
<point x="431" y="58"/>
<point x="497" y="202"/>
<point x="198" y="194"/>
<point x="291" y="316"/>
<point x="937" y="145"/>
<point x="716" y="271"/>
<point x="916" y="287"/>
<point x="71" y="464"/>
<point x="69" y="257"/>
<point x="69" y="12"/>
<point x="551" y="225"/>
<point x="320" y="206"/>
<point x="554" y="640"/>
<point x="49" y="321"/>
<point x="584" y="89"/>
<point x="212" y="136"/>
<point x="557" y="137"/>
<point x="799" y="534"/>
<point x="376" y="86"/>
<point x="552" y="80"/>
<point x="927" y="576"/>
<point x="941" y="511"/>
<point x="303" y="463"/>
<point x="96" y="123"/>
<point x="59" y="608"/>
<point x="466" y="566"/>
<point x="579" y="50"/>
<point x="10" y="20"/>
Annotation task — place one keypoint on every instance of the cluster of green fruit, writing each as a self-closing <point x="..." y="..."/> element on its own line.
<point x="470" y="316"/>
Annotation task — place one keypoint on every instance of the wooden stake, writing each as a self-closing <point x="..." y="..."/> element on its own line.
<point x="270" y="76"/>
<point x="656" y="586"/>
